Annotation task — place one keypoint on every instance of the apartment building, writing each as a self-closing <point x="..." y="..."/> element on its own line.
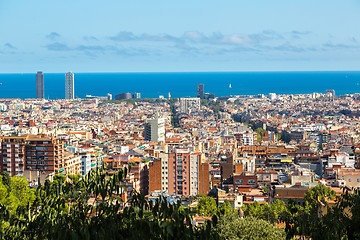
<point x="45" y="154"/>
<point x="12" y="157"/>
<point x="180" y="172"/>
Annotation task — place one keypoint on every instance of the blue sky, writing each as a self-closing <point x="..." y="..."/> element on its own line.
<point x="197" y="35"/>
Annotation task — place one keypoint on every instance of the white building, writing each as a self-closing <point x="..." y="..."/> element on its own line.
<point x="272" y="96"/>
<point x="85" y="166"/>
<point x="189" y="105"/>
<point x="154" y="130"/>
<point x="69" y="85"/>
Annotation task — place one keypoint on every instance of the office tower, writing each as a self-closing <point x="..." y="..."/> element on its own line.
<point x="109" y="96"/>
<point x="40" y="85"/>
<point x="200" y="91"/>
<point x="69" y="85"/>
<point x="136" y="95"/>
<point x="122" y="96"/>
<point x="189" y="105"/>
<point x="154" y="130"/>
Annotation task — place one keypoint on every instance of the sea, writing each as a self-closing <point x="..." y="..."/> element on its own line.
<point x="182" y="84"/>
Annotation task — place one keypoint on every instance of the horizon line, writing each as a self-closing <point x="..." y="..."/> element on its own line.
<point x="221" y="71"/>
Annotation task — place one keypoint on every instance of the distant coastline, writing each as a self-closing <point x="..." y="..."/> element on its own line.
<point x="183" y="84"/>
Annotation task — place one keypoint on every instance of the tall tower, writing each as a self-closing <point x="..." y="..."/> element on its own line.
<point x="40" y="93"/>
<point x="200" y="91"/>
<point x="69" y="85"/>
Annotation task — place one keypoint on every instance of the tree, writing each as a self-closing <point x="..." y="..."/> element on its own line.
<point x="233" y="227"/>
<point x="65" y="212"/>
<point x="319" y="192"/>
<point x="225" y="208"/>
<point x="260" y="133"/>
<point x="207" y="206"/>
<point x="272" y="212"/>
<point x="17" y="194"/>
<point x="6" y="179"/>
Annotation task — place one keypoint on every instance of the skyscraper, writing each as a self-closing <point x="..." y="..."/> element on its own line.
<point x="200" y="91"/>
<point x="40" y="93"/>
<point x="69" y="85"/>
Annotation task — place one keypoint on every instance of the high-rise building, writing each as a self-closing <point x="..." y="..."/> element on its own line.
<point x="109" y="96"/>
<point x="136" y="95"/>
<point x="189" y="105"/>
<point x="180" y="172"/>
<point x="122" y="96"/>
<point x="154" y="130"/>
<point x="40" y="93"/>
<point x="330" y="93"/>
<point x="69" y="86"/>
<point x="200" y="91"/>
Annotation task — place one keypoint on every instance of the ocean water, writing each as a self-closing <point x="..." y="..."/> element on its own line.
<point x="151" y="85"/>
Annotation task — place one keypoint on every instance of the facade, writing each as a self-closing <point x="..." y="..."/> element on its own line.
<point x="136" y="95"/>
<point x="200" y="91"/>
<point x="122" y="96"/>
<point x="85" y="165"/>
<point x="40" y="93"/>
<point x="180" y="172"/>
<point x="272" y="96"/>
<point x="154" y="130"/>
<point x="45" y="154"/>
<point x="69" y="86"/>
<point x="245" y="138"/>
<point x="189" y="105"/>
<point x="12" y="159"/>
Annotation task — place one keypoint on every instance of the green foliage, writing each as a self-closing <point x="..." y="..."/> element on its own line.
<point x="225" y="208"/>
<point x="174" y="118"/>
<point x="207" y="206"/>
<point x="335" y="224"/>
<point x="260" y="133"/>
<point x="319" y="192"/>
<point x="59" y="179"/>
<point x="272" y="212"/>
<point x="278" y="136"/>
<point x="91" y="208"/>
<point x="17" y="194"/>
<point x="6" y="179"/>
<point x="75" y="178"/>
<point x="233" y="227"/>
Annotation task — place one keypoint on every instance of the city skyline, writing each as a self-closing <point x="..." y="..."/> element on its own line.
<point x="148" y="37"/>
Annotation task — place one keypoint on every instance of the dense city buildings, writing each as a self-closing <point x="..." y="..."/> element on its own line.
<point x="230" y="147"/>
<point x="40" y="92"/>
<point x="189" y="105"/>
<point x="69" y="86"/>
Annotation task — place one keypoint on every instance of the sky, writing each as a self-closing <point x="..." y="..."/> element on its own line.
<point x="179" y="36"/>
